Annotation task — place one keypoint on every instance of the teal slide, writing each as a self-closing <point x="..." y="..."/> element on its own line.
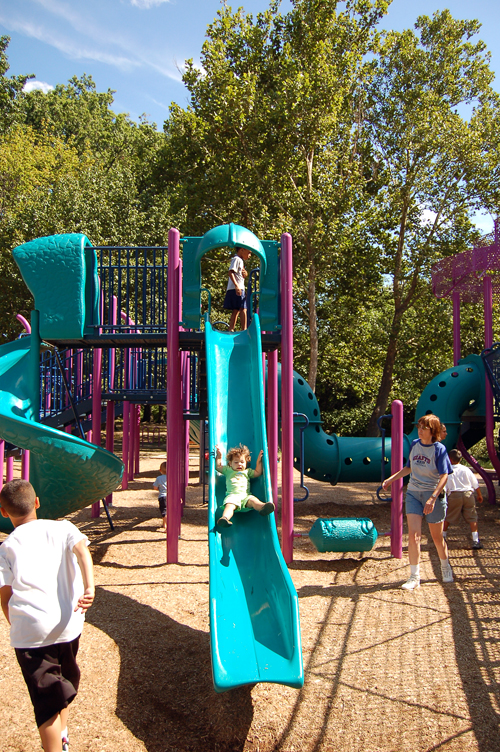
<point x="254" y="612"/>
<point x="455" y="395"/>
<point x="66" y="472"/>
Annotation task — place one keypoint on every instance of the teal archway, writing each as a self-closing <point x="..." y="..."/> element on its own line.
<point x="229" y="236"/>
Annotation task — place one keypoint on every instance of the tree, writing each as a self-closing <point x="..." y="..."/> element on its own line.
<point x="10" y="89"/>
<point x="271" y="138"/>
<point x="432" y="119"/>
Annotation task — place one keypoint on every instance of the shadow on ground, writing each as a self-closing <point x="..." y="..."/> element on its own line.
<point x="165" y="696"/>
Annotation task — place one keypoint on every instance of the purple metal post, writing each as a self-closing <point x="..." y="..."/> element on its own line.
<point x="2" y="461"/>
<point x="397" y="486"/>
<point x="286" y="398"/>
<point x="110" y="436"/>
<point x="488" y="341"/>
<point x="96" y="411"/>
<point x="25" y="323"/>
<point x="137" y="438"/>
<point x="186" y="383"/>
<point x="131" y="450"/>
<point x="272" y="419"/>
<point x="110" y="405"/>
<point x="9" y="472"/>
<point x="174" y="408"/>
<point x="264" y="374"/>
<point x="126" y="431"/>
<point x="456" y="327"/>
<point x="25" y="465"/>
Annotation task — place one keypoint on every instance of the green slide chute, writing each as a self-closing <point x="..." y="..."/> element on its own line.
<point x="66" y="472"/>
<point x="254" y="613"/>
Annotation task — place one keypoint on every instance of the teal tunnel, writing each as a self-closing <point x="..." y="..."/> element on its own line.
<point x="455" y="395"/>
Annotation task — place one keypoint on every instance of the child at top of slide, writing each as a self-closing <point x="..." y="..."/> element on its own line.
<point x="235" y="299"/>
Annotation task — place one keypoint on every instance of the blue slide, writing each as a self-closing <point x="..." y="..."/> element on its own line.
<point x="254" y="611"/>
<point x="66" y="472"/>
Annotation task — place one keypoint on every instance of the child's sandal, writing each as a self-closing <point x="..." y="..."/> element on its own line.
<point x="224" y="522"/>
<point x="267" y="509"/>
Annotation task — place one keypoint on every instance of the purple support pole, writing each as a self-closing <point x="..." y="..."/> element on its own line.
<point x="186" y="388"/>
<point x="456" y="328"/>
<point x="137" y="456"/>
<point x="25" y="323"/>
<point x="488" y="341"/>
<point x="10" y="469"/>
<point x="264" y="375"/>
<point x="96" y="411"/>
<point x="110" y="406"/>
<point x="174" y="408"/>
<point x="110" y="436"/>
<point x="185" y="452"/>
<point x="126" y="429"/>
<point x="131" y="451"/>
<point x="286" y="398"/>
<point x="272" y="419"/>
<point x="479" y="470"/>
<point x="25" y="465"/>
<point x="397" y="486"/>
<point x="2" y="461"/>
<point x="25" y="469"/>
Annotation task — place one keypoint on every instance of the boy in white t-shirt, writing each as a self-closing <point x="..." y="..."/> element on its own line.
<point x="235" y="300"/>
<point x="46" y="585"/>
<point x="460" y="488"/>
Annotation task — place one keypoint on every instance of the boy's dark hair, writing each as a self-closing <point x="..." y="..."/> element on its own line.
<point x="18" y="498"/>
<point x="239" y="451"/>
<point x="455" y="455"/>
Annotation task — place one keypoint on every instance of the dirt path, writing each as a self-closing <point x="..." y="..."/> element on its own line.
<point x="385" y="670"/>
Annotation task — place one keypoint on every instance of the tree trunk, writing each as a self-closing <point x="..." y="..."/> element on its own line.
<point x="313" y="324"/>
<point x="387" y="377"/>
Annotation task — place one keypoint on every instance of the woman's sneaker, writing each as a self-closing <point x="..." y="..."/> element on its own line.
<point x="447" y="572"/>
<point x="412" y="583"/>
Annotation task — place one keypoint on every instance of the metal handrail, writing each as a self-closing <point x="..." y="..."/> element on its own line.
<point x="302" y="429"/>
<point x="382" y="462"/>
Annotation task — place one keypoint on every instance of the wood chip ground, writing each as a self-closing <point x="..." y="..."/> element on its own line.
<point x="385" y="670"/>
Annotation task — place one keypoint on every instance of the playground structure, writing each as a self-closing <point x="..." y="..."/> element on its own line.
<point x="123" y="331"/>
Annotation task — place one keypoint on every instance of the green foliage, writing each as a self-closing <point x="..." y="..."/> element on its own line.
<point x="429" y="158"/>
<point x="271" y="137"/>
<point x="10" y="90"/>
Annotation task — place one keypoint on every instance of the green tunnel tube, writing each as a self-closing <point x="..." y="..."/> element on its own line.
<point x="453" y="395"/>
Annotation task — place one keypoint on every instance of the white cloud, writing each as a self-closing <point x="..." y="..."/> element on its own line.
<point x="31" y="85"/>
<point x="69" y="47"/>
<point x="101" y="44"/>
<point x="147" y="4"/>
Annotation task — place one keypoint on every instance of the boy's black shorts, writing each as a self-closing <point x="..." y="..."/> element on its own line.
<point x="51" y="675"/>
<point x="233" y="302"/>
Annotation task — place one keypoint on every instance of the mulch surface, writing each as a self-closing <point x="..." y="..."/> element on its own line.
<point x="385" y="670"/>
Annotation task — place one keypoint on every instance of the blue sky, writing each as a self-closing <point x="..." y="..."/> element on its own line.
<point x="137" y="47"/>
